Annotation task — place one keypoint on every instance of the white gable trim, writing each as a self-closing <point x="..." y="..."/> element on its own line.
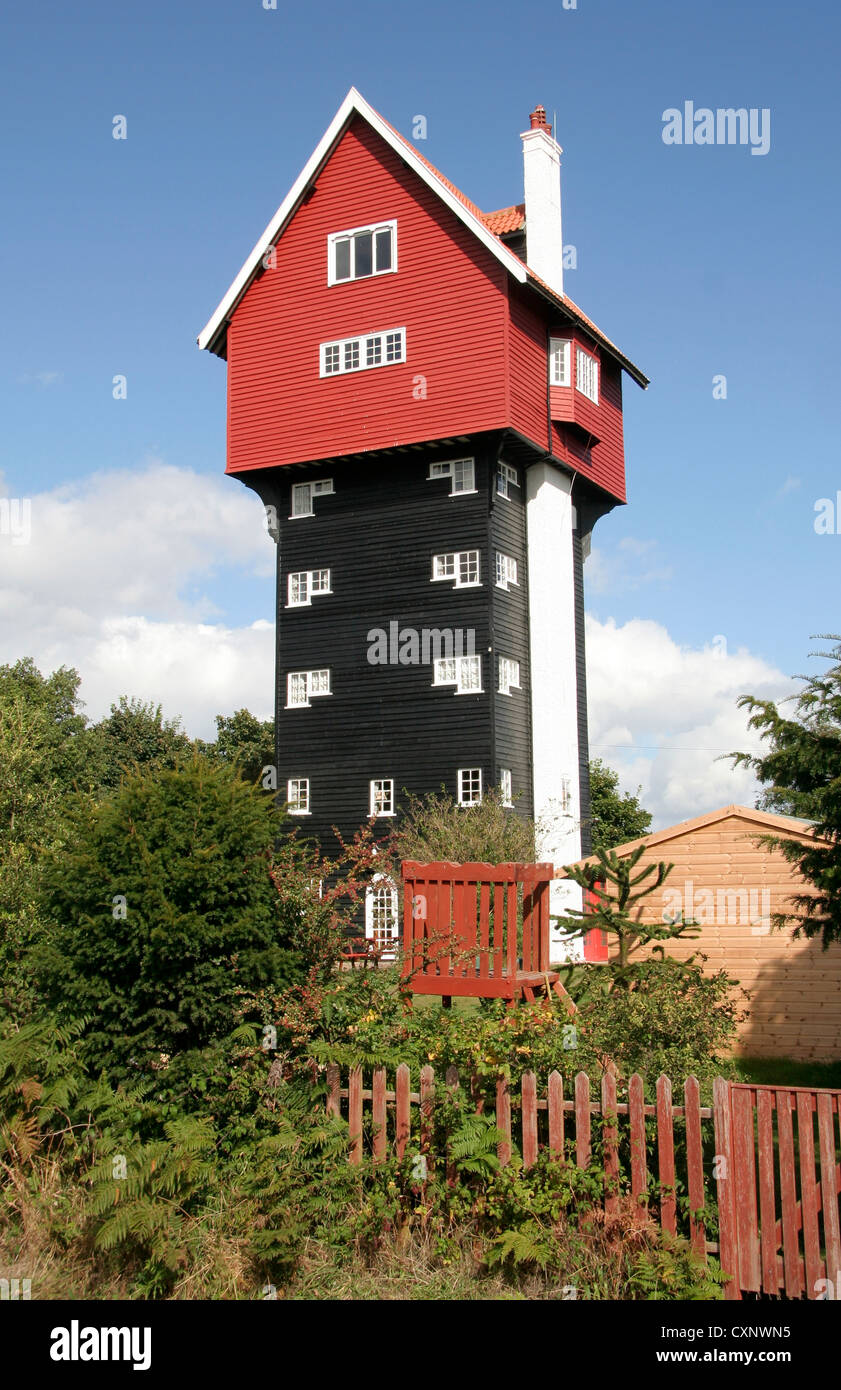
<point x="354" y="103"/>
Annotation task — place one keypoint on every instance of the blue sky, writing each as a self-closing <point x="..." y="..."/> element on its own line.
<point x="698" y="261"/>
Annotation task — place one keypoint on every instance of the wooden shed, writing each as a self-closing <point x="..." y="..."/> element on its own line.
<point x="730" y="884"/>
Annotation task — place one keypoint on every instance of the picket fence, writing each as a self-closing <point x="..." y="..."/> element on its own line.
<point x="777" y="1213"/>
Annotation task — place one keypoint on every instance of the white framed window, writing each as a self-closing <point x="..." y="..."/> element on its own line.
<point x="360" y="354"/>
<point x="509" y="675"/>
<point x="301" y="586"/>
<point x="381" y="796"/>
<point x="362" y="252"/>
<point x="303" y="686"/>
<point x="566" y="794"/>
<point x="506" y="478"/>
<point x="469" y="786"/>
<point x="461" y="472"/>
<point x="303" y="494"/>
<point x="462" y="566"/>
<point x="506" y="570"/>
<point x="298" y="796"/>
<point x="505" y="786"/>
<point x="464" y="672"/>
<point x="382" y="915"/>
<point x="587" y="375"/>
<point x="560" y="373"/>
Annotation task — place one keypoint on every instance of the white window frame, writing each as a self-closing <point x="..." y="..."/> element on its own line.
<point x="506" y="478"/>
<point x="311" y="680"/>
<point x="318" y="487"/>
<point x="506" y="571"/>
<point x="294" y="800"/>
<point x="373" y="228"/>
<point x="560" y="362"/>
<point x="380" y="883"/>
<point x="446" y="468"/>
<point x="473" y="774"/>
<point x="373" y="803"/>
<point x="505" y="787"/>
<point x="582" y="356"/>
<point x="441" y="673"/>
<point x="310" y="587"/>
<point x="360" y="342"/>
<point x="442" y="569"/>
<point x="509" y="675"/>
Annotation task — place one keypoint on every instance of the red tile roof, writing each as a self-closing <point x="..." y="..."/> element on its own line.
<point x="506" y="220"/>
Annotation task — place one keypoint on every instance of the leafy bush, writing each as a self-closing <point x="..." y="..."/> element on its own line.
<point x="162" y="909"/>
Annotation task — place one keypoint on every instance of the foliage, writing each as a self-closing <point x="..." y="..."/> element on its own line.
<point x="435" y="827"/>
<point x="134" y="735"/>
<point x="609" y="878"/>
<point x="162" y="907"/>
<point x="614" y="819"/>
<point x="245" y="742"/>
<point x="802" y="775"/>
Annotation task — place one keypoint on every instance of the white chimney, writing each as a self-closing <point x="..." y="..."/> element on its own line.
<point x="542" y="179"/>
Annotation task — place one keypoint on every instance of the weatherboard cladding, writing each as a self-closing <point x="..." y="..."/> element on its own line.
<point x="584" y="798"/>
<point x="448" y="293"/>
<point x="510" y="620"/>
<point x="377" y="534"/>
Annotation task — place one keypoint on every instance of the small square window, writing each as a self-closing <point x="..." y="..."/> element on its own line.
<point x="351" y="357"/>
<point x="443" y="566"/>
<point x="505" y="786"/>
<point x="320" y="581"/>
<point x="318" y="683"/>
<point x="332" y="358"/>
<point x="298" y="796"/>
<point x="469" y="786"/>
<point x="382" y="797"/>
<point x="469" y="675"/>
<point x="373" y="351"/>
<point x="468" y="568"/>
<point x="297" y="593"/>
<point x="444" y="671"/>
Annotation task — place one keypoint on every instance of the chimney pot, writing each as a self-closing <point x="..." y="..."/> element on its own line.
<point x="537" y="120"/>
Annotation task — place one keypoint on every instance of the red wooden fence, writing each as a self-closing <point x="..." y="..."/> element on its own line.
<point x="776" y="1186"/>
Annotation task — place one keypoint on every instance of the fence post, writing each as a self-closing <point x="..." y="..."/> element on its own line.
<point x="503" y="1121"/>
<point x="724" y="1175"/>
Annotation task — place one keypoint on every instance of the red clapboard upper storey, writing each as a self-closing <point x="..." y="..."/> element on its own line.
<point x="381" y="308"/>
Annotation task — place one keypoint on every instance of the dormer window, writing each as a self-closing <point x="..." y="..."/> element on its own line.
<point x="362" y="252"/>
<point x="587" y="375"/>
<point x="560" y="373"/>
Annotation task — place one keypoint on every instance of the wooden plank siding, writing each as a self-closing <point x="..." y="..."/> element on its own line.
<point x="448" y="292"/>
<point x="795" y="986"/>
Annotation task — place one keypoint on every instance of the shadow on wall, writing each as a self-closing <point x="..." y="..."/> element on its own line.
<point x="795" y="1005"/>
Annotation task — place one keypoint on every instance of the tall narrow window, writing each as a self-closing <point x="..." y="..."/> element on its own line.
<point x="298" y="796"/>
<point x="505" y="786"/>
<point x="506" y="478"/>
<point x="559" y="362"/>
<point x="381" y="796"/>
<point x="469" y="786"/>
<point x="382" y="915"/>
<point x="509" y="675"/>
<point x="506" y="570"/>
<point x="587" y="375"/>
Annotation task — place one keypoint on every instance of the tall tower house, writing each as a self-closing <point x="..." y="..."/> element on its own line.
<point x="434" y="428"/>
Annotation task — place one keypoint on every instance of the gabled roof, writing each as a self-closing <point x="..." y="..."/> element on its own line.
<point x="486" y="227"/>
<point x="766" y="822"/>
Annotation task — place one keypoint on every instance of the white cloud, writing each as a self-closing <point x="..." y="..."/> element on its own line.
<point x="662" y="715"/>
<point x="629" y="564"/>
<point x="114" y="581"/>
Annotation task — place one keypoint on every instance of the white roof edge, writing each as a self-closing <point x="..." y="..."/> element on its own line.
<point x="353" y="102"/>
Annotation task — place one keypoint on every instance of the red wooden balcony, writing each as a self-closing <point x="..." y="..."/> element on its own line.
<point x="477" y="930"/>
